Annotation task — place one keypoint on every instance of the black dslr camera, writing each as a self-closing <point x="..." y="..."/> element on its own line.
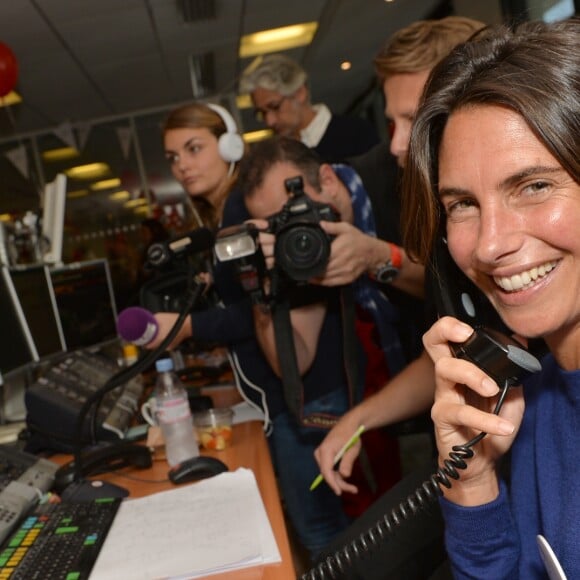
<point x="302" y="247"/>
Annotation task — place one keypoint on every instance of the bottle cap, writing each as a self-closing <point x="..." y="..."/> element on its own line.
<point x="130" y="350"/>
<point x="164" y="364"/>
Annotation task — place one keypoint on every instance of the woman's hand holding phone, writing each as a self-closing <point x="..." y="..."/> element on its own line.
<point x="465" y="398"/>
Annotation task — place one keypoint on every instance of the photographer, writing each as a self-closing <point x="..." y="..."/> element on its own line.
<point x="320" y="334"/>
<point x="327" y="392"/>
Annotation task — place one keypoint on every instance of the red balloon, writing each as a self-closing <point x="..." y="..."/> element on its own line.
<point x="8" y="70"/>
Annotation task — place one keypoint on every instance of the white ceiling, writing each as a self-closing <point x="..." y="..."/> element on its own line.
<point x="86" y="60"/>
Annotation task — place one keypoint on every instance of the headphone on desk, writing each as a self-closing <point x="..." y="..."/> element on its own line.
<point x="230" y="143"/>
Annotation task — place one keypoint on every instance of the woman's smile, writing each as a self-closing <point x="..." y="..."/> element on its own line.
<point x="525" y="279"/>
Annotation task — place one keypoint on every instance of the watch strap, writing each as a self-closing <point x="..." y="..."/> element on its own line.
<point x="387" y="272"/>
<point x="396" y="256"/>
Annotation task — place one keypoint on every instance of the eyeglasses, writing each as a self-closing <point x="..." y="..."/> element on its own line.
<point x="260" y="114"/>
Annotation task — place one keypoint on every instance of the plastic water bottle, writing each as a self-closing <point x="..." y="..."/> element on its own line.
<point x="173" y="414"/>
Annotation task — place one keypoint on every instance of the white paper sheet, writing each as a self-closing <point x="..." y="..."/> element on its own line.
<point x="211" y="526"/>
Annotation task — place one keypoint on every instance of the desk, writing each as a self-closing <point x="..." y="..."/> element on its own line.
<point x="249" y="449"/>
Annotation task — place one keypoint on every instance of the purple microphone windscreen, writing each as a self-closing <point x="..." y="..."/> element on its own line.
<point x="137" y="325"/>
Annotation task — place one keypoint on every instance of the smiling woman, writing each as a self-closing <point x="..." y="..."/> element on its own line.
<point x="511" y="226"/>
<point x="494" y="167"/>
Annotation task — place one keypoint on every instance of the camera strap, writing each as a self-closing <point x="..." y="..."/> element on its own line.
<point x="291" y="380"/>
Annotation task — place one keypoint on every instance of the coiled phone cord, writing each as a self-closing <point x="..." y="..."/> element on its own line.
<point x="335" y="565"/>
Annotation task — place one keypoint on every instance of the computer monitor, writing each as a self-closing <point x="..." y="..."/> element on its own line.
<point x="86" y="303"/>
<point x="17" y="348"/>
<point x="34" y="289"/>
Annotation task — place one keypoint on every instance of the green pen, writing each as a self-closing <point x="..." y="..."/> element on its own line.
<point x="355" y="437"/>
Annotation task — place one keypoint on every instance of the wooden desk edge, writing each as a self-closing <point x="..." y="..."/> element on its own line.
<point x="249" y="449"/>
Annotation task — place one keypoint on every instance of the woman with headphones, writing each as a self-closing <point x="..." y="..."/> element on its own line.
<point x="203" y="147"/>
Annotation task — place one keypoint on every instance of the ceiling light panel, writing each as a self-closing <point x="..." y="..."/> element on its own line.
<point x="89" y="171"/>
<point x="277" y="39"/>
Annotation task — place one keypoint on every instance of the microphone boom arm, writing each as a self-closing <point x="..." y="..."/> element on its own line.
<point x="127" y="374"/>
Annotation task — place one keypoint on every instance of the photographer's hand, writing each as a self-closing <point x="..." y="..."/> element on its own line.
<point x="352" y="253"/>
<point x="165" y="322"/>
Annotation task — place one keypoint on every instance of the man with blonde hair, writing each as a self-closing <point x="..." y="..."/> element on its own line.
<point x="402" y="65"/>
<point x="278" y="86"/>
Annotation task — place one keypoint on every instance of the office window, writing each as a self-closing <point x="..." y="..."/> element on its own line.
<point x="130" y="181"/>
<point x="105" y="199"/>
<point x="547" y="10"/>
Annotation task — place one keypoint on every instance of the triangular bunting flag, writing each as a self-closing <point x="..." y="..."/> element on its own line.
<point x="65" y="133"/>
<point x="83" y="130"/>
<point x="19" y="159"/>
<point x="124" y="135"/>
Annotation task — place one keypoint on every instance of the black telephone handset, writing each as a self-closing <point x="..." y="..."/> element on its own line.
<point x="103" y="460"/>
<point x="490" y="348"/>
<point x="503" y="358"/>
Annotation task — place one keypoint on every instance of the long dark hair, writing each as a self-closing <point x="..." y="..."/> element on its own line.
<point x="533" y="70"/>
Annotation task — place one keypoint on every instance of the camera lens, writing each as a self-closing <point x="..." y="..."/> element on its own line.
<point x="303" y="245"/>
<point x="302" y="251"/>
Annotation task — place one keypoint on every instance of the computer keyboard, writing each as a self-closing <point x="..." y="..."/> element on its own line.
<point x="58" y="541"/>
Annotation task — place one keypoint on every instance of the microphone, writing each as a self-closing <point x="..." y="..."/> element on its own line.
<point x="198" y="240"/>
<point x="137" y="325"/>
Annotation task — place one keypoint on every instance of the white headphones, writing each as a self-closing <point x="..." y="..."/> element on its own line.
<point x="230" y="143"/>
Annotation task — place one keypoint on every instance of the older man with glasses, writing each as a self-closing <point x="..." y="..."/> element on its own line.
<point x="281" y="97"/>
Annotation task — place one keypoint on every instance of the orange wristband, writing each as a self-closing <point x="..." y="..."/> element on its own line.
<point x="396" y="255"/>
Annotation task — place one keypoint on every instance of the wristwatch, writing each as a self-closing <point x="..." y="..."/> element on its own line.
<point x="388" y="271"/>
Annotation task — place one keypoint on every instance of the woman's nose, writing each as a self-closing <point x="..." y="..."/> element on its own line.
<point x="499" y="234"/>
<point x="182" y="163"/>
